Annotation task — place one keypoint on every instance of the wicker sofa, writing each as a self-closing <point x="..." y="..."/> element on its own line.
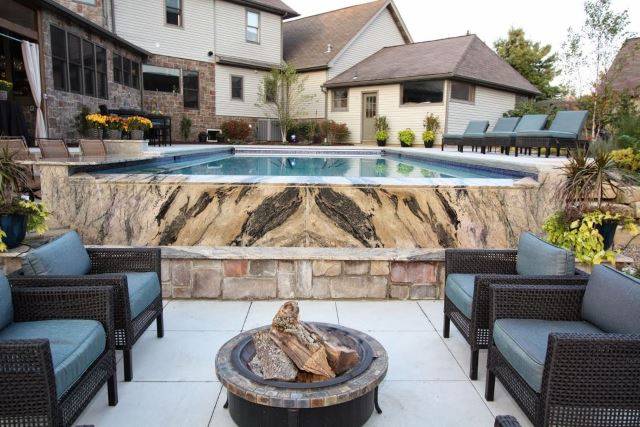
<point x="57" y="350"/>
<point x="569" y="355"/>
<point x="469" y="273"/>
<point x="564" y="132"/>
<point x="135" y="274"/>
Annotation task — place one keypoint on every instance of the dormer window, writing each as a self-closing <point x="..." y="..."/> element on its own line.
<point x="253" y="26"/>
<point x="173" y="12"/>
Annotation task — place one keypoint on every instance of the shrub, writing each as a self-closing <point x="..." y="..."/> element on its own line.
<point x="185" y="128"/>
<point x="382" y="135"/>
<point x="236" y="130"/>
<point x="80" y="122"/>
<point x="627" y="158"/>
<point x="6" y="85"/>
<point x="382" y="124"/>
<point x="428" y="136"/>
<point x="334" y="132"/>
<point x="138" y="123"/>
<point x="432" y="123"/>
<point x="407" y="137"/>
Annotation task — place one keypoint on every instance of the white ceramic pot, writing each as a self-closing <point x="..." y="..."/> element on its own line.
<point x="126" y="147"/>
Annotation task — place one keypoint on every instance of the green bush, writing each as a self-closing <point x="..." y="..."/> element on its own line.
<point x="334" y="132"/>
<point x="627" y="158"/>
<point x="382" y="135"/>
<point x="80" y="122"/>
<point x="407" y="137"/>
<point x="382" y="124"/>
<point x="185" y="128"/>
<point x="236" y="130"/>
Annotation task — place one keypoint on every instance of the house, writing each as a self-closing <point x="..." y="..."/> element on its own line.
<point x="323" y="46"/>
<point x="456" y="79"/>
<point x="73" y="56"/>
<point x="624" y="73"/>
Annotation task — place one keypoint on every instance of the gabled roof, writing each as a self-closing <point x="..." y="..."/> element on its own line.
<point x="275" y="6"/>
<point x="463" y="58"/>
<point x="306" y="39"/>
<point x="624" y="73"/>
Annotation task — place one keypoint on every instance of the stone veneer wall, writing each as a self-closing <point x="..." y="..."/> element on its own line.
<point x="62" y="107"/>
<point x="173" y="103"/>
<point x="301" y="279"/>
<point x="100" y="13"/>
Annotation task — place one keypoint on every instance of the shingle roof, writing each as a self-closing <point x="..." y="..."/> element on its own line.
<point x="624" y="73"/>
<point x="306" y="39"/>
<point x="465" y="58"/>
<point x="277" y="6"/>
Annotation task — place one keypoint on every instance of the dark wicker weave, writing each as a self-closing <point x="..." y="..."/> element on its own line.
<point x="27" y="382"/>
<point x="505" y="144"/>
<point x="506" y="421"/>
<point x="588" y="380"/>
<point x="474" y="143"/>
<point x="490" y="266"/>
<point x="107" y="266"/>
<point x="530" y="142"/>
<point x="453" y="141"/>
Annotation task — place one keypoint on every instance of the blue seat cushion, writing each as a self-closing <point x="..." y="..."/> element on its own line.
<point x="75" y="345"/>
<point x="569" y="122"/>
<point x="532" y="122"/>
<point x="612" y="301"/>
<point x="144" y="288"/>
<point x="549" y="134"/>
<point x="473" y="135"/>
<point x="477" y="127"/>
<point x="6" y="302"/>
<point x="506" y="124"/>
<point x="459" y="289"/>
<point x="65" y="256"/>
<point x="539" y="258"/>
<point x="496" y="134"/>
<point x="523" y="343"/>
<point x="452" y="135"/>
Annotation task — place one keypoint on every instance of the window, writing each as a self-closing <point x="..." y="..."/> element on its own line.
<point x="520" y="99"/>
<point x="190" y="88"/>
<point x="161" y="79"/>
<point x="422" y="91"/>
<point x="117" y="68"/>
<point x="237" y="87"/>
<point x="173" y="12"/>
<point x="89" y="2"/>
<point x="253" y="26"/>
<point x="270" y="91"/>
<point x="101" y="72"/>
<point x="340" y="99"/>
<point x="463" y="91"/>
<point x="135" y="75"/>
<point x="75" y="63"/>
<point x="126" y="71"/>
<point x="59" y="58"/>
<point x="89" y="68"/>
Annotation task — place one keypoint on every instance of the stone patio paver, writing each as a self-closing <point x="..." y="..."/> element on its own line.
<point x="427" y="384"/>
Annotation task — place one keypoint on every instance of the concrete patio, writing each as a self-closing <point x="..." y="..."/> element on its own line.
<point x="427" y="384"/>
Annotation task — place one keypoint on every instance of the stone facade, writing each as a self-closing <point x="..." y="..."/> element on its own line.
<point x="264" y="279"/>
<point x="62" y="107"/>
<point x="172" y="104"/>
<point x="98" y="13"/>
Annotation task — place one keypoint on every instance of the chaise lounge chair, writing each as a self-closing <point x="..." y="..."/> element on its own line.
<point x="564" y="132"/>
<point x="504" y="126"/>
<point x="507" y="139"/>
<point x="569" y="355"/>
<point x="475" y="129"/>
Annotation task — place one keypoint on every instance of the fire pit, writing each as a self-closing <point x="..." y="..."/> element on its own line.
<point x="345" y="395"/>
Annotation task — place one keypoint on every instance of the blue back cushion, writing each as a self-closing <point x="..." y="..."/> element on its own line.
<point x="539" y="258"/>
<point x="6" y="304"/>
<point x="65" y="256"/>
<point x="506" y="124"/>
<point x="477" y="126"/>
<point x="532" y="122"/>
<point x="612" y="301"/>
<point x="569" y="121"/>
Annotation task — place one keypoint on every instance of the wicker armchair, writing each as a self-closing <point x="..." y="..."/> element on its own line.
<point x="588" y="340"/>
<point x="111" y="267"/>
<point x="506" y="421"/>
<point x="28" y="393"/>
<point x="488" y="267"/>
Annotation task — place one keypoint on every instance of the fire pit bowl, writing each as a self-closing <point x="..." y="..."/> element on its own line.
<point x="347" y="400"/>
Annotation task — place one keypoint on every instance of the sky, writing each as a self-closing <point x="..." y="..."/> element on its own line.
<point x="543" y="20"/>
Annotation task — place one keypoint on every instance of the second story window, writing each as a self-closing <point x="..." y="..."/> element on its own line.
<point x="253" y="26"/>
<point x="190" y="88"/>
<point x="173" y="12"/>
<point x="237" y="88"/>
<point x="117" y="68"/>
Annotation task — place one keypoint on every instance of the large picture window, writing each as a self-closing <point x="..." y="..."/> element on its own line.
<point x="117" y="68"/>
<point x="237" y="88"/>
<point x="253" y="26"/>
<point x="89" y="66"/>
<point x="161" y="79"/>
<point x="422" y="91"/>
<point x="190" y="88"/>
<point x="74" y="46"/>
<point x="463" y="91"/>
<point x="173" y="12"/>
<point x="135" y="75"/>
<point x="101" y="72"/>
<point x="59" y="58"/>
<point x="340" y="99"/>
<point x="126" y="71"/>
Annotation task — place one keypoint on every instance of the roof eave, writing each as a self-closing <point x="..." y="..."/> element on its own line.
<point x="312" y="68"/>
<point x="240" y="63"/>
<point x="286" y="14"/>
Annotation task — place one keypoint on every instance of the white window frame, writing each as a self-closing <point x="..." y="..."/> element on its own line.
<point x="334" y="107"/>
<point x="231" y="87"/>
<point x="247" y="26"/>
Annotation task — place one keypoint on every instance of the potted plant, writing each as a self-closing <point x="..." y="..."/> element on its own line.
<point x="382" y="130"/>
<point x="137" y="126"/>
<point x="17" y="215"/>
<point x="407" y="137"/>
<point x="431" y="127"/>
<point x="115" y="126"/>
<point x="97" y="123"/>
<point x="185" y="128"/>
<point x="5" y="88"/>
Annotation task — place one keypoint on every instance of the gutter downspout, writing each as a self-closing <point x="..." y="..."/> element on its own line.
<point x="113" y="17"/>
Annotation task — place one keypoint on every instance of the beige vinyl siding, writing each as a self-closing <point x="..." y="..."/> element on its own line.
<point x="490" y="104"/>
<point x="231" y="37"/>
<point x="381" y="32"/>
<point x="225" y="106"/>
<point x="315" y="106"/>
<point x="399" y="117"/>
<point x="143" y="23"/>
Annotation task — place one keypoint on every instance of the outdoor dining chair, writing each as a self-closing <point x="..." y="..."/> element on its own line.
<point x="92" y="148"/>
<point x="53" y="148"/>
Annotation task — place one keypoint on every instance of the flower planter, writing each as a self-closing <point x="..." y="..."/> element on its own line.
<point x="15" y="227"/>
<point x="94" y="133"/>
<point x="126" y="147"/>
<point x="137" y="134"/>
<point x="405" y="145"/>
<point x="428" y="144"/>
<point x="381" y="143"/>
<point x="608" y="232"/>
<point x="114" y="134"/>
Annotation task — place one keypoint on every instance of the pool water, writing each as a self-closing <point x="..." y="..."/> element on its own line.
<point x="363" y="166"/>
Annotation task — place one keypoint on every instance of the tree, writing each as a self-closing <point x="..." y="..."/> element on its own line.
<point x="589" y="52"/>
<point x="534" y="61"/>
<point x="281" y="95"/>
